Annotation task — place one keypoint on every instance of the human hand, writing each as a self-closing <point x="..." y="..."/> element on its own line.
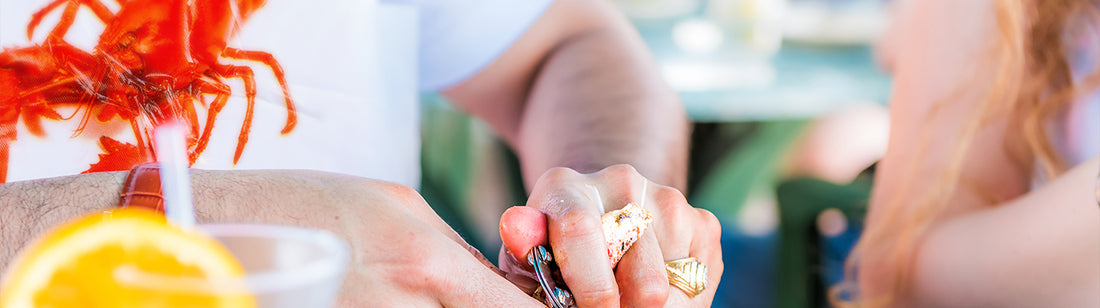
<point x="403" y="254"/>
<point x="564" y="210"/>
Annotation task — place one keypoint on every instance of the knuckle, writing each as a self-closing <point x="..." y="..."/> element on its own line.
<point x="558" y="201"/>
<point x="603" y="293"/>
<point x="578" y="224"/>
<point x="415" y="271"/>
<point x="653" y="293"/>
<point x="404" y="195"/>
<point x="670" y="204"/>
<point x="709" y="222"/>
<point x="411" y="278"/>
<point x="711" y="226"/>
<point x="669" y="197"/>
<point x="558" y="174"/>
<point x="398" y="191"/>
<point x="620" y="171"/>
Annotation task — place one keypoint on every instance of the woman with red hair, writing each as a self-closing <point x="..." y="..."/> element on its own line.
<point x="987" y="195"/>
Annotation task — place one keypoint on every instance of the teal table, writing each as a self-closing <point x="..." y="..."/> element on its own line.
<point x="797" y="81"/>
<point x="809" y="82"/>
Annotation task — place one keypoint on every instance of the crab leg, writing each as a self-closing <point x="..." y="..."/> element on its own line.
<point x="269" y="60"/>
<point x="248" y="78"/>
<point x="211" y="115"/>
<point x="101" y="11"/>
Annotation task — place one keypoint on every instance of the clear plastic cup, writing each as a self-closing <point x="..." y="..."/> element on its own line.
<point x="284" y="267"/>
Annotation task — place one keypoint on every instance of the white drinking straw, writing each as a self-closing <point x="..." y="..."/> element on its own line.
<point x="175" y="180"/>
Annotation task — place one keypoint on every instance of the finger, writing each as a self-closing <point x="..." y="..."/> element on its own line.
<point x="707" y="247"/>
<point x="679" y="298"/>
<point x="641" y="274"/>
<point x="672" y="221"/>
<point x="576" y="236"/>
<point x="676" y="230"/>
<point x="522" y="228"/>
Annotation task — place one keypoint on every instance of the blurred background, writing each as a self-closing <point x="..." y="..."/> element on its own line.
<point x="788" y="100"/>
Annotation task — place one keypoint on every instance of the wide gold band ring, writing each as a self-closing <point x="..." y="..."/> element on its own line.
<point x="688" y="275"/>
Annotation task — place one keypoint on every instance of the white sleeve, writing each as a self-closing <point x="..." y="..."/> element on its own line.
<point x="459" y="37"/>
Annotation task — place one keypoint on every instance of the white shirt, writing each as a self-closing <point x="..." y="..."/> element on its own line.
<point x="354" y="68"/>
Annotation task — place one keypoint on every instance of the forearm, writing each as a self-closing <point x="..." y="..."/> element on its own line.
<point x="598" y="100"/>
<point x="29" y="208"/>
<point x="383" y="223"/>
<point x="1046" y="243"/>
<point x="579" y="89"/>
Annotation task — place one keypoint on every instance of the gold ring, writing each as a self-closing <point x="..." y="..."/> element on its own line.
<point x="688" y="275"/>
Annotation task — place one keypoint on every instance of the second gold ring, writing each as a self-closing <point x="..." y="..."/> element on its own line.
<point x="688" y="275"/>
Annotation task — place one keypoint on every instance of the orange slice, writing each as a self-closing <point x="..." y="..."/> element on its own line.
<point x="87" y="262"/>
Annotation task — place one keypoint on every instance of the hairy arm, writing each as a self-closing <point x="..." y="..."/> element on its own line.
<point x="388" y="227"/>
<point x="579" y="90"/>
<point x="289" y="197"/>
<point x="29" y="208"/>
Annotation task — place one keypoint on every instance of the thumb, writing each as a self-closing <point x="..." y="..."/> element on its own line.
<point x="521" y="229"/>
